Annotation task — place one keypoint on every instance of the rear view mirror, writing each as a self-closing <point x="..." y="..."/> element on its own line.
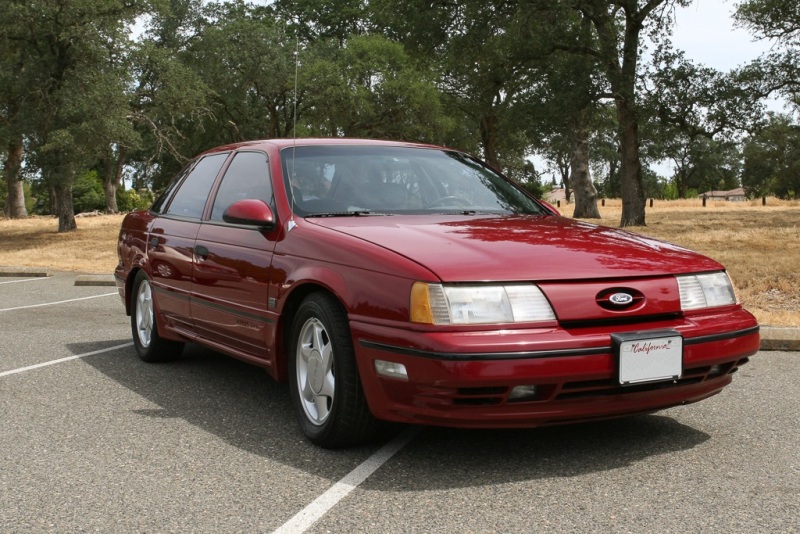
<point x="251" y="212"/>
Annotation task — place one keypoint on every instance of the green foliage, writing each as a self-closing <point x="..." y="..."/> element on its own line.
<point x="316" y="20"/>
<point x="779" y="22"/>
<point x="87" y="192"/>
<point x="372" y="88"/>
<point x="130" y="200"/>
<point x="30" y="201"/>
<point x="504" y="78"/>
<point x="653" y="185"/>
<point x="771" y="19"/>
<point x="527" y="176"/>
<point x="73" y="54"/>
<point x="772" y="160"/>
<point x="246" y="59"/>
<point x="483" y="55"/>
<point x="670" y="191"/>
<point x="699" y="101"/>
<point x="534" y="188"/>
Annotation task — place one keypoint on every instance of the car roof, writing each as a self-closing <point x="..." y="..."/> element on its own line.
<point x="313" y="141"/>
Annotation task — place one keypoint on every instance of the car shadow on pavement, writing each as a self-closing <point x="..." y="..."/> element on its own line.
<point x="233" y="400"/>
<point x="445" y="458"/>
<point x="242" y="405"/>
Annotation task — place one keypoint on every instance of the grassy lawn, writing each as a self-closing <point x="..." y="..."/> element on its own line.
<point x="760" y="246"/>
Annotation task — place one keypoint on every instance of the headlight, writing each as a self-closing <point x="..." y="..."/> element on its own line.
<point x="478" y="304"/>
<point x="705" y="291"/>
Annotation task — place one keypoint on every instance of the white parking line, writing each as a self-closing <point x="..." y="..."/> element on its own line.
<point x="320" y="506"/>
<point x="24" y="280"/>
<point x="62" y="360"/>
<point x="59" y="302"/>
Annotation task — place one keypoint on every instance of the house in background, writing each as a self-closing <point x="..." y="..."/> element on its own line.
<point x="734" y="195"/>
<point x="555" y="196"/>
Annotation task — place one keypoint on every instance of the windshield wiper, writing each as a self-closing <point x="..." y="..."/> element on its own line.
<point x="354" y="213"/>
<point x="466" y="212"/>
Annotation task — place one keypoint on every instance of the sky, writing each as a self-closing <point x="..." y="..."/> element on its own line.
<point x="705" y="31"/>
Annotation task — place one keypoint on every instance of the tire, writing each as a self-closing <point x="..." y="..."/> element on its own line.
<point x="323" y="376"/>
<point x="149" y="345"/>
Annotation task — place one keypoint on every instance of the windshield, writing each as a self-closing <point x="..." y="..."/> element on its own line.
<point x="364" y="179"/>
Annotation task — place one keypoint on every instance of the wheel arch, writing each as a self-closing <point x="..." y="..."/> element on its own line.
<point x="293" y="300"/>
<point x="132" y="274"/>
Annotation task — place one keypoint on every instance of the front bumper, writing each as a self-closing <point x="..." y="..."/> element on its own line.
<point x="465" y="379"/>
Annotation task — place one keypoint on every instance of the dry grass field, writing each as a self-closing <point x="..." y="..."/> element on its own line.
<point x="760" y="246"/>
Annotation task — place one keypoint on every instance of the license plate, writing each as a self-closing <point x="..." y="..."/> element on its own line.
<point x="648" y="356"/>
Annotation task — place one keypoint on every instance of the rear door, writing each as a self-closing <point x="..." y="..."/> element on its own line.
<point x="232" y="265"/>
<point x="170" y="242"/>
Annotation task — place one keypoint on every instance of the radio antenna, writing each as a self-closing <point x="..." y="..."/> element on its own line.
<point x="291" y="224"/>
<point x="296" y="70"/>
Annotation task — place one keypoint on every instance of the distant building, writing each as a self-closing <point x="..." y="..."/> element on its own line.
<point x="734" y="195"/>
<point x="556" y="195"/>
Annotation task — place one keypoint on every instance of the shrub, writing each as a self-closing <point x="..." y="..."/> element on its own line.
<point x="87" y="193"/>
<point x="130" y="200"/>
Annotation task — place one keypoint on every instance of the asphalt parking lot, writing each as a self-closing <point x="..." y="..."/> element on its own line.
<point x="92" y="439"/>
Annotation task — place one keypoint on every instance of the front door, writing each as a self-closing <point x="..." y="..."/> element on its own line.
<point x="232" y="266"/>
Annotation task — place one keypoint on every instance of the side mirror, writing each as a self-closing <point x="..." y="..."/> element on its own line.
<point x="251" y="212"/>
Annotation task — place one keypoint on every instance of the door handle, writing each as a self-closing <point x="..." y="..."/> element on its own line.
<point x="201" y="251"/>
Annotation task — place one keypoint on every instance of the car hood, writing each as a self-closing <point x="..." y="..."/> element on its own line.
<point x="516" y="248"/>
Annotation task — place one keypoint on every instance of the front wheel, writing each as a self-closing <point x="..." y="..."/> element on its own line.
<point x="149" y="345"/>
<point x="325" y="386"/>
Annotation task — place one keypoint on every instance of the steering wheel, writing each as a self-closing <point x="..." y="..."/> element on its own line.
<point x="450" y="200"/>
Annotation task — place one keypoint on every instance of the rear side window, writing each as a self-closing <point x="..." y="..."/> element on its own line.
<point x="247" y="177"/>
<point x="163" y="198"/>
<point x="190" y="200"/>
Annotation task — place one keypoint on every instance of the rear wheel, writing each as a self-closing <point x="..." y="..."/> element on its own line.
<point x="149" y="345"/>
<point x="326" y="389"/>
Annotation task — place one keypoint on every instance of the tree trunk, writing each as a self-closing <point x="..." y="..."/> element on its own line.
<point x="585" y="192"/>
<point x="680" y="185"/>
<point x="52" y="200"/>
<point x="489" y="141"/>
<point x="563" y="166"/>
<point x="612" y="181"/>
<point x="110" y="190"/>
<point x="619" y="48"/>
<point x="15" y="203"/>
<point x="632" y="190"/>
<point x="112" y="174"/>
<point x="65" y="208"/>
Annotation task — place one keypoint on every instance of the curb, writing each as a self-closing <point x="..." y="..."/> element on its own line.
<point x="36" y="272"/>
<point x="783" y="338"/>
<point x="95" y="280"/>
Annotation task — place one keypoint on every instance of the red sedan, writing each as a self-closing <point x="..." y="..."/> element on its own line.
<point x="401" y="282"/>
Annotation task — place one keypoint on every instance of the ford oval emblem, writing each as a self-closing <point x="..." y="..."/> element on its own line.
<point x="620" y="299"/>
